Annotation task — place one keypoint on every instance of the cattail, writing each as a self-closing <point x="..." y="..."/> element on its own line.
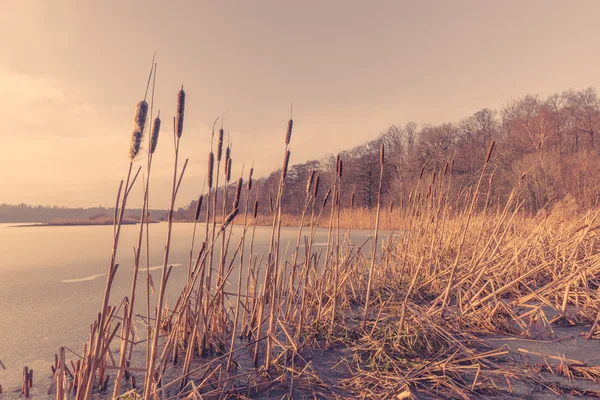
<point x="326" y="197"/>
<point x="382" y="154"/>
<point x="429" y="190"/>
<point x="227" y="157"/>
<point x="250" y="179"/>
<point x="228" y="173"/>
<point x="139" y="122"/>
<point x="445" y="169"/>
<point x="230" y="218"/>
<point x="489" y="152"/>
<point x="255" y="213"/>
<point x="352" y="199"/>
<point x="316" y="186"/>
<point x="271" y="203"/>
<point x="198" y="207"/>
<point x="451" y="166"/>
<point x="220" y="145"/>
<point x="286" y="161"/>
<point x="339" y="167"/>
<point x="421" y="173"/>
<point x="238" y="191"/>
<point x="211" y="167"/>
<point x="288" y="134"/>
<point x="202" y="248"/>
<point x="310" y="180"/>
<point x="180" y="112"/>
<point x="433" y="178"/>
<point x="391" y="207"/>
<point x="155" y="132"/>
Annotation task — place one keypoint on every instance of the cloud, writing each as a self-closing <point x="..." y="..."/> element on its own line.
<point x="35" y="105"/>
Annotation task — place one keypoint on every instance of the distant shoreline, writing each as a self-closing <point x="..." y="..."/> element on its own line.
<point x="80" y="223"/>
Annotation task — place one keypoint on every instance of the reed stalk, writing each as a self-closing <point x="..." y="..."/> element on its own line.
<point x="375" y="235"/>
<point x="177" y="130"/>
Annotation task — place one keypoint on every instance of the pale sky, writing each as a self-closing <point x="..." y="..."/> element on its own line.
<point x="71" y="73"/>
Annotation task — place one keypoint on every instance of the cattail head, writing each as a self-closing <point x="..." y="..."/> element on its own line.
<point x="255" y="213"/>
<point x="250" y="179"/>
<point x="391" y="207"/>
<point x="230" y="218"/>
<point x="286" y="162"/>
<point x="155" y="132"/>
<point x="489" y="152"/>
<point x="352" y="199"/>
<point x="211" y="167"/>
<point x="180" y="112"/>
<point x="220" y="145"/>
<point x="310" y="180"/>
<point x="340" y="166"/>
<point x="445" y="169"/>
<point x="227" y="157"/>
<point x="382" y="154"/>
<point x="202" y="248"/>
<point x="228" y="170"/>
<point x="326" y="197"/>
<point x="238" y="191"/>
<point x="198" y="207"/>
<point x="316" y="186"/>
<point x="270" y="203"/>
<point x="421" y="173"/>
<point x="139" y="122"/>
<point x="433" y="178"/>
<point x="288" y="134"/>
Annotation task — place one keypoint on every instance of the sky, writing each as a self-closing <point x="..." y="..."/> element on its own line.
<point x="72" y="72"/>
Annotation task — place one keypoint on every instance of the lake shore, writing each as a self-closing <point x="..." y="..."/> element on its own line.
<point x="92" y="222"/>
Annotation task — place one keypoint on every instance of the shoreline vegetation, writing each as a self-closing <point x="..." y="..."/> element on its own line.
<point x="407" y="318"/>
<point x="25" y="213"/>
<point x="358" y="219"/>
<point x="84" y="222"/>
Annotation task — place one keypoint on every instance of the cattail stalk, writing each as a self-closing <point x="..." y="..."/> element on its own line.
<point x="272" y="272"/>
<point x="446" y="294"/>
<point x="242" y="244"/>
<point x="178" y="129"/>
<point x="375" y="236"/>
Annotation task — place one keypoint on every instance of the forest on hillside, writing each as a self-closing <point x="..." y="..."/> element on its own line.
<point x="552" y="140"/>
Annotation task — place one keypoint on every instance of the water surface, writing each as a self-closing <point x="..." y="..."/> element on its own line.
<point x="52" y="279"/>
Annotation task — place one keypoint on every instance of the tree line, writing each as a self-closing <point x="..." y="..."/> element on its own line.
<point x="552" y="140"/>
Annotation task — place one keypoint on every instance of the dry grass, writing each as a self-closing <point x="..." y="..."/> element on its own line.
<point x="410" y="313"/>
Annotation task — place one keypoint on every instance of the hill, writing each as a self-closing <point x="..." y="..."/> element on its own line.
<point x="552" y="140"/>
